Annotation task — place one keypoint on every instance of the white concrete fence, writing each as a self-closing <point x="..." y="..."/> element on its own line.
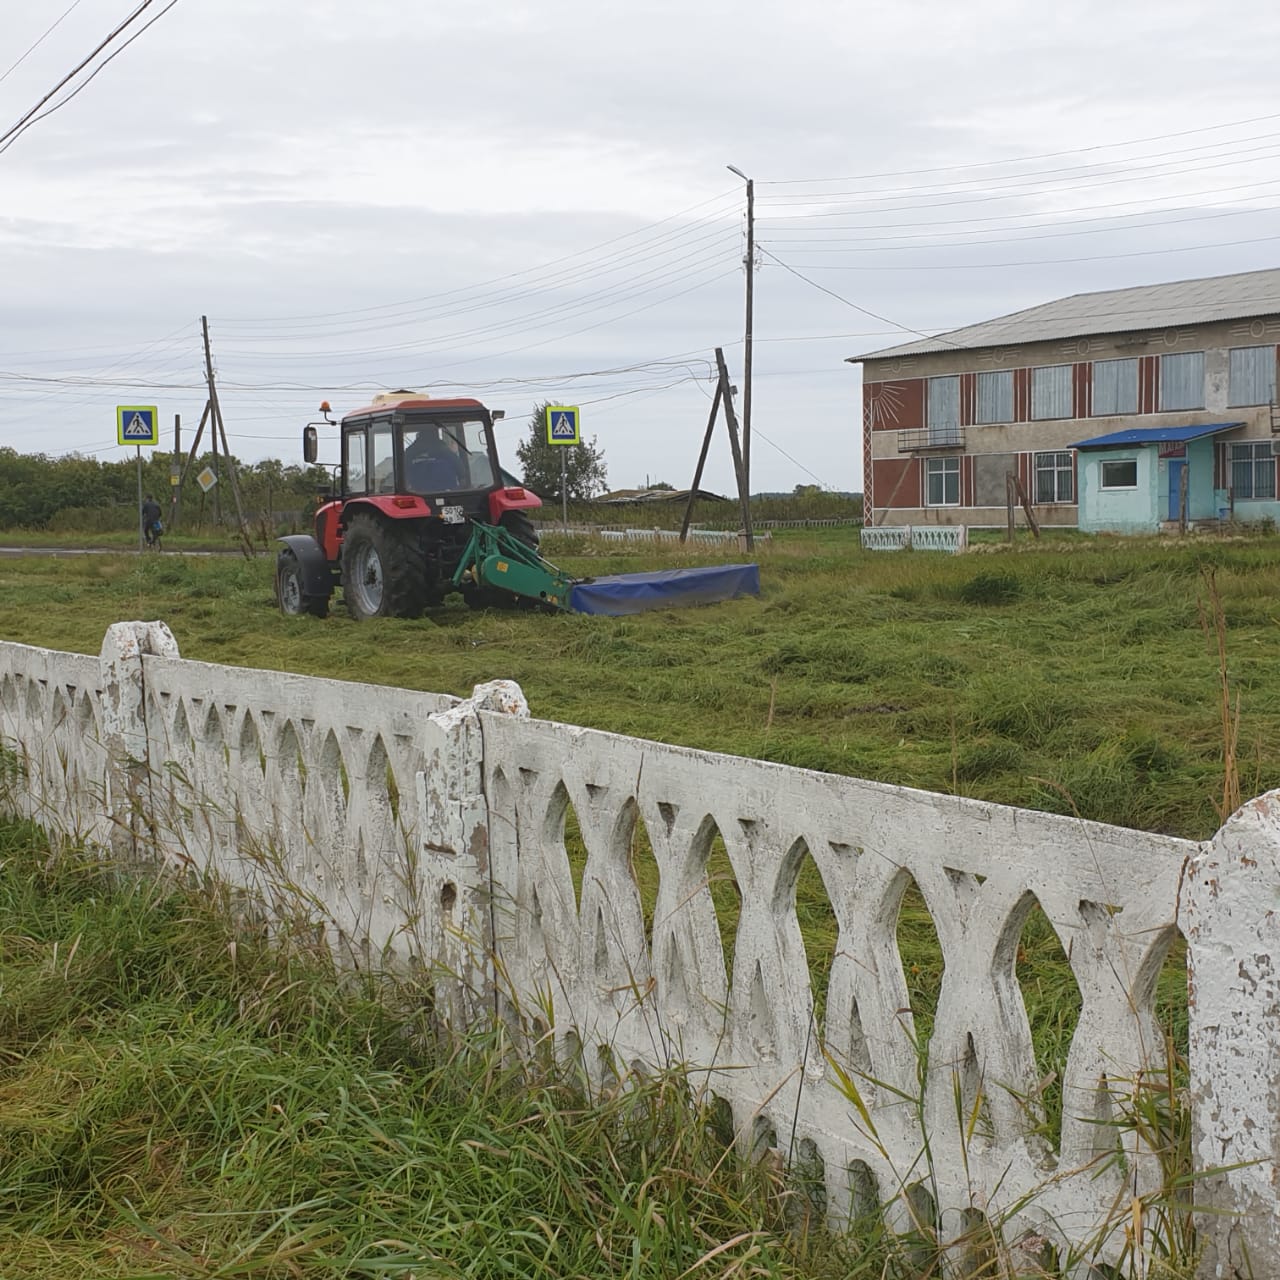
<point x="429" y="830"/>
<point x="953" y="538"/>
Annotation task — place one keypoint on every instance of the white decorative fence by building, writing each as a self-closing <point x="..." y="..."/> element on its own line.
<point x="919" y="537"/>
<point x="429" y="829"/>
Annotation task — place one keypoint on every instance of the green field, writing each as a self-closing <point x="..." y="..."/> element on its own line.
<point x="1073" y="676"/>
<point x="1078" y="676"/>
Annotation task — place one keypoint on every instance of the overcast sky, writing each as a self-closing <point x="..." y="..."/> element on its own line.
<point x="530" y="201"/>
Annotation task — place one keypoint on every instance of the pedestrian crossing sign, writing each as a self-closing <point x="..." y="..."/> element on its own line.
<point x="562" y="425"/>
<point x="137" y="424"/>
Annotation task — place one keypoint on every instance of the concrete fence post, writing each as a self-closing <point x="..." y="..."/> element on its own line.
<point x="452" y="886"/>
<point x="1230" y="914"/>
<point x="124" y="728"/>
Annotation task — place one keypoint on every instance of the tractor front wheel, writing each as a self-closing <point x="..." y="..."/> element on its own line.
<point x="384" y="571"/>
<point x="290" y="591"/>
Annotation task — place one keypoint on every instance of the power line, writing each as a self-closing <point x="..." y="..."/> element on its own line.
<point x="1044" y="262"/>
<point x="957" y="185"/>
<point x="1043" y="155"/>
<point x="411" y="302"/>
<point x="74" y="4"/>
<point x="859" y="246"/>
<point x="34" y="114"/>
<point x="1019" y="189"/>
<point x="875" y="315"/>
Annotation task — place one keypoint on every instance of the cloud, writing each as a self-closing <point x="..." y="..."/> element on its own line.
<point x="490" y="197"/>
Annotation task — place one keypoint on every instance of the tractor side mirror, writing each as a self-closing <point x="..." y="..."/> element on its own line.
<point x="310" y="445"/>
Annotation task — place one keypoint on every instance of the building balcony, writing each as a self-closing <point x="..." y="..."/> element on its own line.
<point x="924" y="438"/>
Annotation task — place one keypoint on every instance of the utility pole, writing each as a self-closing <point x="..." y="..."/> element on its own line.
<point x="213" y="413"/>
<point x="746" y="341"/>
<point x="217" y="427"/>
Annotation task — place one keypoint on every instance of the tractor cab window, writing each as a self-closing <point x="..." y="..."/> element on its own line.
<point x="384" y="458"/>
<point x="354" y="473"/>
<point x="443" y="456"/>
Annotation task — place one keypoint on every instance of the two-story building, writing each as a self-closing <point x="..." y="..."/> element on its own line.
<point x="1114" y="410"/>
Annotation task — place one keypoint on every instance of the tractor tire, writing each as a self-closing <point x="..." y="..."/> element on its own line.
<point x="290" y="596"/>
<point x="521" y="528"/>
<point x="384" y="571"/>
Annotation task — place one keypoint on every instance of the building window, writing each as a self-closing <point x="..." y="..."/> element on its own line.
<point x="1121" y="473"/>
<point x="1055" y="481"/>
<point x="942" y="482"/>
<point x="1051" y="392"/>
<point x="995" y="397"/>
<point x="943" y="410"/>
<point x="1115" y="387"/>
<point x="1253" y="470"/>
<point x="1182" y="381"/>
<point x="1253" y="375"/>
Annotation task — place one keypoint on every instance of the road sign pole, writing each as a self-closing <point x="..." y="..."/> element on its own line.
<point x="564" y="491"/>
<point x="140" y="529"/>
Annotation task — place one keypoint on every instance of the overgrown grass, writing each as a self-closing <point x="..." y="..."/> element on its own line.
<point x="180" y="1096"/>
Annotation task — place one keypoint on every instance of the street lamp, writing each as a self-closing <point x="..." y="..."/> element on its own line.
<point x="746" y="343"/>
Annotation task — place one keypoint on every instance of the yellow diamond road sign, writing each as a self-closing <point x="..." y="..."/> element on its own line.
<point x="137" y="424"/>
<point x="207" y="479"/>
<point x="563" y="425"/>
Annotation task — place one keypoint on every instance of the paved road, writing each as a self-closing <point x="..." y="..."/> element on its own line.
<point x="19" y="552"/>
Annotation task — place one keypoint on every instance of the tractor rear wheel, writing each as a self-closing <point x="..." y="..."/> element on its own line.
<point x="384" y="570"/>
<point x="290" y="593"/>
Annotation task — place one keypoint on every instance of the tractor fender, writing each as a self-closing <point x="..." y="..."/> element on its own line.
<point x="317" y="576"/>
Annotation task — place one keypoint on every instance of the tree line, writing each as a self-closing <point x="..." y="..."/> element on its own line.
<point x="77" y="492"/>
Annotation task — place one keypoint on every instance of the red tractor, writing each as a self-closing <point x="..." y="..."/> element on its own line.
<point x="417" y="477"/>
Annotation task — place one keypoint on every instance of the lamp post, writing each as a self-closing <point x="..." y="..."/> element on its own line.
<point x="746" y="342"/>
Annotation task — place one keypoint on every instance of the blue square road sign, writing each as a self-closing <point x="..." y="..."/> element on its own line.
<point x="563" y="425"/>
<point x="137" y="424"/>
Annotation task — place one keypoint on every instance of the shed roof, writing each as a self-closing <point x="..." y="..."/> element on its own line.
<point x="1155" y="435"/>
<point x="1178" y="302"/>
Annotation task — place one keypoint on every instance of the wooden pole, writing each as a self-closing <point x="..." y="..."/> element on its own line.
<point x="186" y="466"/>
<point x="213" y="409"/>
<point x="1008" y="499"/>
<point x="218" y="428"/>
<point x="744" y="497"/>
<point x="1182" y="500"/>
<point x="702" y="462"/>
<point x="1032" y="522"/>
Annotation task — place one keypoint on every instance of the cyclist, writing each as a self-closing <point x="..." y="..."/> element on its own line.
<point x="152" y="527"/>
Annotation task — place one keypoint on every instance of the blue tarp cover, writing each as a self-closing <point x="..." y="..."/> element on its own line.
<point x="666" y="589"/>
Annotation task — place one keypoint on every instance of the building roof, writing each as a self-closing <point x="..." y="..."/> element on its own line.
<point x="1235" y="297"/>
<point x="1155" y="435"/>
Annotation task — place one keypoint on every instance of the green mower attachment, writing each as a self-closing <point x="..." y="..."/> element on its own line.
<point x="496" y="558"/>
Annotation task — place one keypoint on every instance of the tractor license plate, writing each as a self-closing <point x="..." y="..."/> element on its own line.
<point x="453" y="515"/>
